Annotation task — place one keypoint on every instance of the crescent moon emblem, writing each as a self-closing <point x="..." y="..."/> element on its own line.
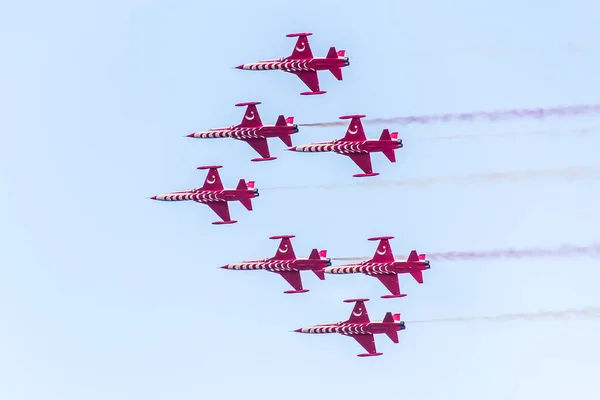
<point x="301" y="47"/>
<point x="382" y="251"/>
<point x="358" y="314"/>
<point x="211" y="180"/>
<point x="353" y="131"/>
<point x="281" y="250"/>
<point x="250" y="115"/>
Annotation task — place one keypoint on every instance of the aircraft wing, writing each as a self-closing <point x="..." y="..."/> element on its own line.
<point x="302" y="49"/>
<point x="221" y="209"/>
<point x="213" y="180"/>
<point x="260" y="145"/>
<point x="310" y="79"/>
<point x="366" y="341"/>
<point x="251" y="117"/>
<point x="359" y="314"/>
<point x="285" y="251"/>
<point x="293" y="278"/>
<point x="355" y="131"/>
<point x="390" y="281"/>
<point x="363" y="160"/>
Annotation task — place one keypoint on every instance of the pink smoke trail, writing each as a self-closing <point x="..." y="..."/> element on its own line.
<point x="498" y="115"/>
<point x="589" y="312"/>
<point x="567" y="250"/>
<point x="570" y="173"/>
<point x="549" y="132"/>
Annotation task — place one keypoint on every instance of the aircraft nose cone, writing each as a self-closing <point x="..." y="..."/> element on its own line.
<point x="240" y="66"/>
<point x="292" y="148"/>
<point x="153" y="198"/>
<point x="190" y="135"/>
<point x="299" y="330"/>
<point x="225" y="266"/>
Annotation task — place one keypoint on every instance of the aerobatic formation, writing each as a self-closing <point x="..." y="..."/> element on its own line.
<point x="354" y="145"/>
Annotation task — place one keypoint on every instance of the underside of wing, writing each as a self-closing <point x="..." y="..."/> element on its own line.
<point x="221" y="209"/>
<point x="293" y="278"/>
<point x="310" y="79"/>
<point x="363" y="160"/>
<point x="367" y="342"/>
<point x="260" y="145"/>
<point x="390" y="281"/>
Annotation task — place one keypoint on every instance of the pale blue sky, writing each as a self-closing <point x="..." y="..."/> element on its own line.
<point x="107" y="295"/>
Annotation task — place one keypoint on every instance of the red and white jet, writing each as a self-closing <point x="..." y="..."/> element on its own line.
<point x="384" y="267"/>
<point x="356" y="145"/>
<point x="252" y="131"/>
<point x="214" y="195"/>
<point x="303" y="64"/>
<point x="286" y="264"/>
<point x="361" y="328"/>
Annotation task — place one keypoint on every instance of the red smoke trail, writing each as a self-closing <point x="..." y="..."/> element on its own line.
<point x="567" y="250"/>
<point x="588" y="312"/>
<point x="519" y="113"/>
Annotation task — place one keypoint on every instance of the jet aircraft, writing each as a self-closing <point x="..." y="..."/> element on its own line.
<point x="356" y="145"/>
<point x="252" y="131"/>
<point x="303" y="64"/>
<point x="286" y="264"/>
<point x="214" y="195"/>
<point x="361" y="328"/>
<point x="384" y="267"/>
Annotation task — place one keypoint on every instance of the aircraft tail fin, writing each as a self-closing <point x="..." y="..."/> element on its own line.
<point x="281" y="121"/>
<point x="413" y="256"/>
<point x="385" y="135"/>
<point x="389" y="153"/>
<point x="391" y="319"/>
<point x="337" y="71"/>
<point x="314" y="255"/>
<point x="243" y="186"/>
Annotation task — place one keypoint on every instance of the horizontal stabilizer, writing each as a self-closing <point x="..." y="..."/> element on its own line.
<point x="286" y="139"/>
<point x="393" y="335"/>
<point x="418" y="275"/>
<point x="319" y="273"/>
<point x="337" y="72"/>
<point x="323" y="253"/>
<point x="251" y="185"/>
<point x="390" y="154"/>
<point x="247" y="203"/>
<point x="422" y="257"/>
